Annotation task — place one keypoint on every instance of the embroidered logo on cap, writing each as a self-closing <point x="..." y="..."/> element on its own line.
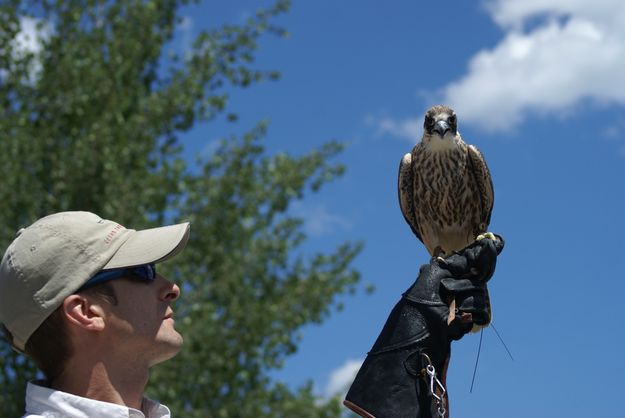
<point x="109" y="237"/>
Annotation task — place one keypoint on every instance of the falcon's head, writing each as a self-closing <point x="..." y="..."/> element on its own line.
<point x="440" y="123"/>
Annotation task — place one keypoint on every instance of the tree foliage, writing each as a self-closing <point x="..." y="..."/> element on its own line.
<point x="90" y="117"/>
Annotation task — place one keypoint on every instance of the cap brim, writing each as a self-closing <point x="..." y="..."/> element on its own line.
<point x="150" y="246"/>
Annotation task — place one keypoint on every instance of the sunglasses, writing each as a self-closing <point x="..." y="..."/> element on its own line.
<point x="145" y="273"/>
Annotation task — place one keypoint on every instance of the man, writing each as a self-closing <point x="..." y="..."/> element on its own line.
<point x="80" y="295"/>
<point x="403" y="375"/>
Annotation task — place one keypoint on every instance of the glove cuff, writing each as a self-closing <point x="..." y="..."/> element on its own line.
<point x="389" y="382"/>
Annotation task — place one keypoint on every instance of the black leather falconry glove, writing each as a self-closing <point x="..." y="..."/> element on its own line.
<point x="393" y="380"/>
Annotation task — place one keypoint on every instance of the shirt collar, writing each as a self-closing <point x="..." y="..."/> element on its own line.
<point x="41" y="400"/>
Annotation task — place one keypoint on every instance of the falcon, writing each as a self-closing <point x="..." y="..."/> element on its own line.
<point x="445" y="189"/>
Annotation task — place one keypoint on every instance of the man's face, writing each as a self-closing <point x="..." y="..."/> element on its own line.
<point x="141" y="325"/>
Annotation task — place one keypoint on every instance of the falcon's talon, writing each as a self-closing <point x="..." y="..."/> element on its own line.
<point x="438" y="252"/>
<point x="488" y="235"/>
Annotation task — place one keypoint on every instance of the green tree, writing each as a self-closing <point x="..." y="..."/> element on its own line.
<point x="90" y="121"/>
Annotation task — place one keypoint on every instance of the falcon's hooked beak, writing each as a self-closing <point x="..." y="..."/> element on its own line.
<point x="441" y="127"/>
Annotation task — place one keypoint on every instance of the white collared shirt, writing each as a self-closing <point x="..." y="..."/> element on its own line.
<point x="43" y="402"/>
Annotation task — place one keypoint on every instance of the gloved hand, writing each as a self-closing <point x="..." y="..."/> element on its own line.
<point x="390" y="383"/>
<point x="462" y="278"/>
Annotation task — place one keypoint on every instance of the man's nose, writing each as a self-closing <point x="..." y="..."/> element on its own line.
<point x="170" y="291"/>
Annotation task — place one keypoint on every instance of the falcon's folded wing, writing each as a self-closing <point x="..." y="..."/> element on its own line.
<point x="405" y="193"/>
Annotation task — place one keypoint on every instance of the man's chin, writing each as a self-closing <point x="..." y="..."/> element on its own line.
<point x="168" y="347"/>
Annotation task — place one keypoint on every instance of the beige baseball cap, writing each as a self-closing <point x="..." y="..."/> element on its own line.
<point x="56" y="255"/>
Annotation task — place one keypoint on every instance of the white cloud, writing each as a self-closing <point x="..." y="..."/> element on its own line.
<point x="409" y="129"/>
<point x="554" y="55"/>
<point x="615" y="133"/>
<point x="31" y="35"/>
<point x="185" y="32"/>
<point x="342" y="378"/>
<point x="513" y="13"/>
<point x="210" y="148"/>
<point x="29" y="40"/>
<point x="318" y="221"/>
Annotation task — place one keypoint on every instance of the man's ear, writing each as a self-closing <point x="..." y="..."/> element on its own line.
<point x="82" y="312"/>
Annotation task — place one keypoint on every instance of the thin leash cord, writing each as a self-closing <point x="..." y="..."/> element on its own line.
<point x="477" y="360"/>
<point x="501" y="339"/>
<point x="479" y="349"/>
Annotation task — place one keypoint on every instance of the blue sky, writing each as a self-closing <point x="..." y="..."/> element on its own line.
<point x="539" y="87"/>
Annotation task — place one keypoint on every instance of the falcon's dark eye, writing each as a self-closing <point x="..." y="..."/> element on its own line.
<point x="429" y="121"/>
<point x="452" y="120"/>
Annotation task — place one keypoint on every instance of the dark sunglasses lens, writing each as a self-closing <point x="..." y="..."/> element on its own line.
<point x="151" y="270"/>
<point x="146" y="272"/>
